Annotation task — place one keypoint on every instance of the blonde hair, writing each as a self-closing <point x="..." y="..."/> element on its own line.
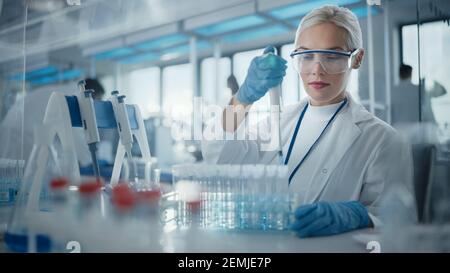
<point x="341" y="17"/>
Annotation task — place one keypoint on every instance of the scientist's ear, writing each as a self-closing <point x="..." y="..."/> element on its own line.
<point x="358" y="58"/>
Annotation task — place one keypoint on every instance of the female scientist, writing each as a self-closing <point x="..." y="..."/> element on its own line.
<point x="341" y="158"/>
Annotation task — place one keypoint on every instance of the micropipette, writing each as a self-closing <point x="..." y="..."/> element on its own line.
<point x="124" y="127"/>
<point x="87" y="111"/>
<point x="275" y="95"/>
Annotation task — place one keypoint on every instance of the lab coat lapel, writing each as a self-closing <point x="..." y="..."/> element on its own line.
<point x="339" y="139"/>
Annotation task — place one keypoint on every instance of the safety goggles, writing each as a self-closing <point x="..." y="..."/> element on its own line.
<point x="331" y="61"/>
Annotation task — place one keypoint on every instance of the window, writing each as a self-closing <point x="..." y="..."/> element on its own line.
<point x="241" y="63"/>
<point x="208" y="79"/>
<point x="434" y="69"/>
<point x="292" y="90"/>
<point x="108" y="83"/>
<point x="142" y="88"/>
<point x="353" y="85"/>
<point x="177" y="91"/>
<point x="410" y="51"/>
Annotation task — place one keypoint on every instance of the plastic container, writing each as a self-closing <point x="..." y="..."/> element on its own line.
<point x="245" y="198"/>
<point x="271" y="198"/>
<point x="33" y="199"/>
<point x="189" y="201"/>
<point x="235" y="197"/>
<point x="11" y="172"/>
<point x="62" y="214"/>
<point x="283" y="200"/>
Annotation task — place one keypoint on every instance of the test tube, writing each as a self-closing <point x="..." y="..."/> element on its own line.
<point x="261" y="202"/>
<point x="286" y="200"/>
<point x="245" y="198"/>
<point x="234" y="171"/>
<point x="272" y="201"/>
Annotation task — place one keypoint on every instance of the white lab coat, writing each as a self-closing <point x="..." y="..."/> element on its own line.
<point x="358" y="157"/>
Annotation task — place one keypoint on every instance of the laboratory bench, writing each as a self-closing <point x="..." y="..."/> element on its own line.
<point x="184" y="241"/>
<point x="192" y="240"/>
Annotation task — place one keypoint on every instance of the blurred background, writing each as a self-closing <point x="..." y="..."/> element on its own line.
<point x="163" y="53"/>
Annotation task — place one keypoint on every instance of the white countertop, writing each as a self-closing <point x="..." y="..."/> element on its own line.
<point x="266" y="242"/>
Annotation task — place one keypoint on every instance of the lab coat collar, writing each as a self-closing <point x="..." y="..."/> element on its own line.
<point x="345" y="131"/>
<point x="357" y="112"/>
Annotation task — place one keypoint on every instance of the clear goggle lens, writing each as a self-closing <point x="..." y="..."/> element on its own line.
<point x="332" y="62"/>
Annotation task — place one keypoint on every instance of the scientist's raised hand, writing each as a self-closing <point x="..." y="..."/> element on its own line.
<point x="265" y="72"/>
<point x="328" y="218"/>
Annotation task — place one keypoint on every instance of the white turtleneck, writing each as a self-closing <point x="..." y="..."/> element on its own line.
<point x="313" y="123"/>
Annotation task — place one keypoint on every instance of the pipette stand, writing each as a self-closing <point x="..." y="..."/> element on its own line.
<point x="61" y="115"/>
<point x="56" y="124"/>
<point x="140" y="136"/>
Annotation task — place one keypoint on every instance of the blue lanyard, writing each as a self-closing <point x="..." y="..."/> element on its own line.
<point x="297" y="127"/>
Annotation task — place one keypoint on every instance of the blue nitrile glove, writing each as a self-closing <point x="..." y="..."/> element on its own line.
<point x="326" y="218"/>
<point x="265" y="72"/>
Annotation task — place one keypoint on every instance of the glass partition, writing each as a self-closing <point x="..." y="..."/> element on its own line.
<point x="15" y="135"/>
<point x="433" y="78"/>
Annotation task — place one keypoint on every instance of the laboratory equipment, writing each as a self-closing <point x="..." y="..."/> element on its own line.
<point x="89" y="207"/>
<point x="265" y="72"/>
<point x="89" y="210"/>
<point x="36" y="224"/>
<point x="32" y="210"/>
<point x="136" y="173"/>
<point x="124" y="199"/>
<point x="244" y="197"/>
<point x="232" y="200"/>
<point x="285" y="201"/>
<point x="256" y="191"/>
<point x="146" y="174"/>
<point x="275" y="103"/>
<point x="149" y="200"/>
<point x="123" y="126"/>
<point x="332" y="61"/>
<point x="65" y="112"/>
<point x="189" y="193"/>
<point x="29" y="213"/>
<point x="273" y="194"/>
<point x="61" y="207"/>
<point x="233" y="197"/>
<point x="138" y="133"/>
<point x="89" y="121"/>
<point x="11" y="172"/>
